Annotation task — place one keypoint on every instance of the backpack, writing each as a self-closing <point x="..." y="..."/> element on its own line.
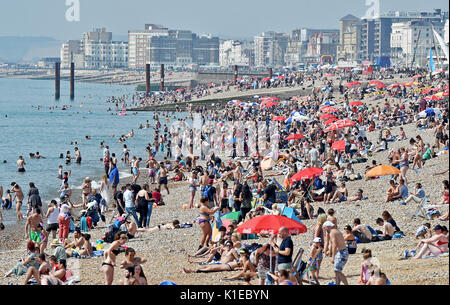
<point x="207" y="192"/>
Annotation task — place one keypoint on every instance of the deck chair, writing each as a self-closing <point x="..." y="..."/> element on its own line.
<point x="422" y="208"/>
<point x="298" y="266"/>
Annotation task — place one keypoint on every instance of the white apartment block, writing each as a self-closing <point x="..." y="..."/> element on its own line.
<point x="270" y="48"/>
<point x="106" y="55"/>
<point x="411" y="42"/>
<point x="231" y="53"/>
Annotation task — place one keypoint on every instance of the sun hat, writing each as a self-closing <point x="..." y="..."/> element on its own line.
<point x="328" y="224"/>
<point x="87" y="180"/>
<point x="55" y="243"/>
<point x="317" y="240"/>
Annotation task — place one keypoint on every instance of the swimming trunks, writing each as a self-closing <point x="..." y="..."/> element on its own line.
<point x="340" y="259"/>
<point x="35" y="236"/>
<point x="163" y="180"/>
<point x="21" y="170"/>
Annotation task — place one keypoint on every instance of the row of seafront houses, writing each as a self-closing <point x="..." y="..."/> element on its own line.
<point x="405" y="37"/>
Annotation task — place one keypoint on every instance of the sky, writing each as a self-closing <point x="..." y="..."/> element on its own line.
<point x="226" y="19"/>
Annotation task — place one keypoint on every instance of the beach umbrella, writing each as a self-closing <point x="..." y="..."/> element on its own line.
<point x="228" y="217"/>
<point x="340" y="124"/>
<point x="375" y="82"/>
<point x="279" y="118"/>
<point x="281" y="77"/>
<point x="308" y="173"/>
<point x="329" y="109"/>
<point x="265" y="79"/>
<point x="300" y="118"/>
<point x="380" y="86"/>
<point x="417" y="76"/>
<point x="383" y="170"/>
<point x="180" y="90"/>
<point x="295" y="136"/>
<point x="434" y="98"/>
<point x="396" y="85"/>
<point x="270" y="224"/>
<point x="269" y="104"/>
<point x="426" y="91"/>
<point x="355" y="83"/>
<point x="167" y="283"/>
<point x="356" y="103"/>
<point x="329" y="103"/>
<point x="330" y="121"/>
<point x="430" y="112"/>
<point x="267" y="163"/>
<point x="327" y="116"/>
<point x="338" y="145"/>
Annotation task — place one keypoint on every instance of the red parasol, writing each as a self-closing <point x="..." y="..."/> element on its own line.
<point x="329" y="109"/>
<point x="295" y="136"/>
<point x="308" y="173"/>
<point x="330" y="121"/>
<point x="327" y="116"/>
<point x="340" y="124"/>
<point x="279" y="118"/>
<point x="356" y="103"/>
<point x="270" y="224"/>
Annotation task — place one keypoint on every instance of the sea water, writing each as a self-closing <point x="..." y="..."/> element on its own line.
<point x="26" y="129"/>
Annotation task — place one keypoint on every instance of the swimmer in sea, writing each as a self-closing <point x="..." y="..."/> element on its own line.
<point x="20" y="165"/>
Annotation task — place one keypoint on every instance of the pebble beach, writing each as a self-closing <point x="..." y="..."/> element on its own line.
<point x="166" y="251"/>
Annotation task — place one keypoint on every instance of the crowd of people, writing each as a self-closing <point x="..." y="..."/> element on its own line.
<point x="253" y="192"/>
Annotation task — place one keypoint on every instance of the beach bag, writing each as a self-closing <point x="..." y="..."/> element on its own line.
<point x="119" y="221"/>
<point x="207" y="193"/>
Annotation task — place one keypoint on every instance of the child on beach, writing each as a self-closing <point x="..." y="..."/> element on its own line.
<point x="365" y="267"/>
<point x="313" y="265"/>
<point x="422" y="231"/>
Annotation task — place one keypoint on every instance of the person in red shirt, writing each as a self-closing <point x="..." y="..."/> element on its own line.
<point x="157" y="195"/>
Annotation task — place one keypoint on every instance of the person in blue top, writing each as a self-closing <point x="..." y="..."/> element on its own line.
<point x="285" y="250"/>
<point x="114" y="178"/>
<point x="418" y="195"/>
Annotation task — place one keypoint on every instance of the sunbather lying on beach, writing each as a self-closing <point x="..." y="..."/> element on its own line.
<point x="216" y="268"/>
<point x="168" y="226"/>
<point x="248" y="267"/>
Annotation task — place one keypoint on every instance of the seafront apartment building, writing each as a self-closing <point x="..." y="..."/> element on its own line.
<point x="96" y="50"/>
<point x="158" y="45"/>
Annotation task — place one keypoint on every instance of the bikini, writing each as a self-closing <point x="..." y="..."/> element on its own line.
<point x="204" y="220"/>
<point x="440" y="243"/>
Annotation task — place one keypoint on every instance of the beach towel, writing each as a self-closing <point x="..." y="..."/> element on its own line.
<point x="97" y="253"/>
<point x="84" y="224"/>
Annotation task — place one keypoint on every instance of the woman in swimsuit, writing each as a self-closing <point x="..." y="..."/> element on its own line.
<point x="435" y="245"/>
<point x="87" y="189"/>
<point x="404" y="164"/>
<point x="193" y="184"/>
<point x="204" y="220"/>
<point x="110" y="258"/>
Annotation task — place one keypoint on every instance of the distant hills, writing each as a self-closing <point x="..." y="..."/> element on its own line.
<point x="25" y="49"/>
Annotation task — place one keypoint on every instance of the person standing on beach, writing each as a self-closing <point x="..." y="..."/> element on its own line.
<point x="20" y="165"/>
<point x="31" y="225"/>
<point x="18" y="196"/>
<point x="339" y="252"/>
<point x="114" y="178"/>
<point x="130" y="204"/>
<point x="52" y="218"/>
<point x="162" y="177"/>
<point x="34" y="199"/>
